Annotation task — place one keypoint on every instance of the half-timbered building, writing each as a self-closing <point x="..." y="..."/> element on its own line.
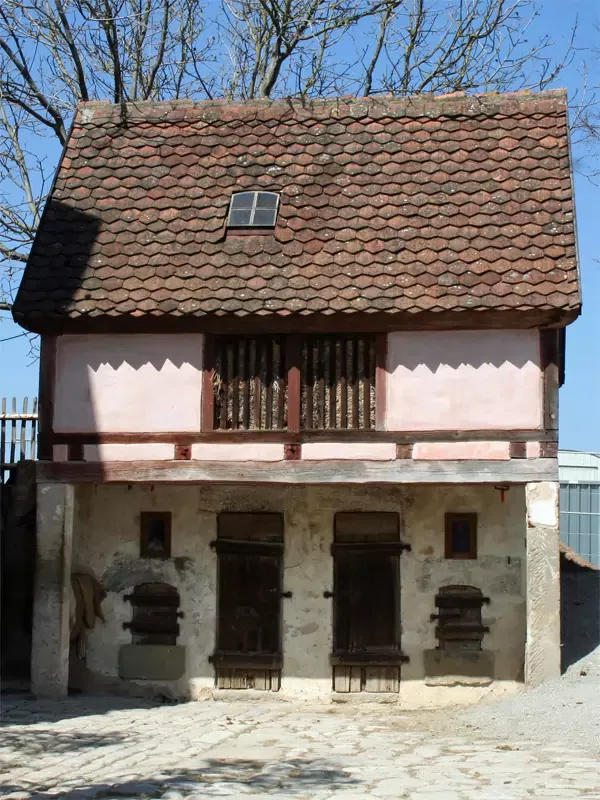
<point x="299" y="394"/>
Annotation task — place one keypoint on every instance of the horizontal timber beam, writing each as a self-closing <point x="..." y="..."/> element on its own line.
<point x="288" y="437"/>
<point x="300" y="472"/>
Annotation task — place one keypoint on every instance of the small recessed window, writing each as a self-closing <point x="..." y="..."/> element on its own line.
<point x="253" y="210"/>
<point x="155" y="534"/>
<point x="461" y="535"/>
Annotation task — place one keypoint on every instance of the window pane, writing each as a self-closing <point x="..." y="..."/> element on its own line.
<point x="461" y="536"/>
<point x="242" y="200"/>
<point x="264" y="216"/>
<point x="240" y="217"/>
<point x="267" y="200"/>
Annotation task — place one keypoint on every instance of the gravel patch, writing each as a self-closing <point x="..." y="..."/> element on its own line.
<point x="566" y="710"/>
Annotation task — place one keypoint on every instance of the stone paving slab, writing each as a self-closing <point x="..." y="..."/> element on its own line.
<point x="118" y="750"/>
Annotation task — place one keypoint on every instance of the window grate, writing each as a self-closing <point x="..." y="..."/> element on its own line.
<point x="250" y="384"/>
<point x="338" y="383"/>
<point x="292" y="382"/>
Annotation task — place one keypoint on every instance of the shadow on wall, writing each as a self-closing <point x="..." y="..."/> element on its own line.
<point x="293" y="777"/>
<point x="580" y="607"/>
<point x="18" y="549"/>
<point x="433" y="350"/>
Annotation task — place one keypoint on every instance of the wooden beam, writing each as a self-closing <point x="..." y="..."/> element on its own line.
<point x="302" y="472"/>
<point x="550" y="351"/>
<point x="518" y="449"/>
<point x="270" y="324"/>
<point x="294" y="363"/>
<point x="298" y="437"/>
<point x="46" y="393"/>
<point x="380" y="380"/>
<point x="208" y="398"/>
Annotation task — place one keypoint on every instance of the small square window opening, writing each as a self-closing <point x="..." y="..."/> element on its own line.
<point x="461" y="536"/>
<point x="155" y="534"/>
<point x="253" y="210"/>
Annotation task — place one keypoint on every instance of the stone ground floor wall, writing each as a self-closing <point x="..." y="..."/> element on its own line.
<point x="107" y="544"/>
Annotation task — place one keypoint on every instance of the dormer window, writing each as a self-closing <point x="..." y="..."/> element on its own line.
<point x="253" y="210"/>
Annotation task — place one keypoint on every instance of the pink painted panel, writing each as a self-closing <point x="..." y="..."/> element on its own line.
<point x="460" y="451"/>
<point x="60" y="452"/>
<point x="147" y="451"/>
<point x="123" y="383"/>
<point x="238" y="452"/>
<point x="348" y="451"/>
<point x="532" y="449"/>
<point x="464" y="380"/>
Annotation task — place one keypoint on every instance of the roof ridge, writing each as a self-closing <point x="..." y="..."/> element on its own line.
<point x="410" y="105"/>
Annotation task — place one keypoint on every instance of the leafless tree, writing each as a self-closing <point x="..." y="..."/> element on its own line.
<point x="585" y="113"/>
<point x="56" y="53"/>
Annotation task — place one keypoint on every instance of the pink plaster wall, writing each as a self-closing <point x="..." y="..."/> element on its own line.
<point x="460" y="451"/>
<point x="128" y="383"/>
<point x="532" y="449"/>
<point x="144" y="451"/>
<point x="238" y="452"/>
<point x="464" y="380"/>
<point x="342" y="451"/>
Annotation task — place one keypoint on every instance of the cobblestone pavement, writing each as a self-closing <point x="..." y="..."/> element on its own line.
<point x="93" y="749"/>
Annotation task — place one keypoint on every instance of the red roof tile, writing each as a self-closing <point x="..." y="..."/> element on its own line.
<point x="412" y="204"/>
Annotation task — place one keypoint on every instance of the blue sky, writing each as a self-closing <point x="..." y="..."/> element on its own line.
<point x="579" y="398"/>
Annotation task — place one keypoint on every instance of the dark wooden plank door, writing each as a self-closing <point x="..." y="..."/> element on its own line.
<point x="249" y="613"/>
<point x="366" y="603"/>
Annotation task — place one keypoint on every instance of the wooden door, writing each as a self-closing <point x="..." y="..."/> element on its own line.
<point x="249" y="603"/>
<point x="366" y="602"/>
<point x="248" y="638"/>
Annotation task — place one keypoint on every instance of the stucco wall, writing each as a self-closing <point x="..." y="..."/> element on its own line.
<point x="106" y="541"/>
<point x="126" y="383"/>
<point x="464" y="380"/>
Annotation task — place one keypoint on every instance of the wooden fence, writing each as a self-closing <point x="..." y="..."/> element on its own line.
<point x="18" y="433"/>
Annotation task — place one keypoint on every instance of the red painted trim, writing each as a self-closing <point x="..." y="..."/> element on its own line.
<point x="46" y="397"/>
<point x="208" y="372"/>
<point x="294" y="359"/>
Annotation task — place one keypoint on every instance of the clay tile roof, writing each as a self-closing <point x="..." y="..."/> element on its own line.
<point x="387" y="205"/>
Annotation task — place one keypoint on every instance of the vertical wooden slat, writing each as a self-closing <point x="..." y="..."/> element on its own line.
<point x="332" y="383"/>
<point x="275" y="675"/>
<point x="234" y="382"/>
<point x="356" y="679"/>
<point x="269" y="391"/>
<point x="13" y="432"/>
<point x="281" y="386"/>
<point x="224" y="384"/>
<point x="23" y="432"/>
<point x="3" y="435"/>
<point x="310" y="379"/>
<point x="343" y="383"/>
<point x="32" y="445"/>
<point x="257" y="383"/>
<point x="341" y="679"/>
<point x="46" y="395"/>
<point x="294" y="361"/>
<point x="366" y="387"/>
<point x="355" y="385"/>
<point x="549" y="356"/>
<point x="321" y="382"/>
<point x="207" y="421"/>
<point x="245" y="388"/>
<point x="380" y="380"/>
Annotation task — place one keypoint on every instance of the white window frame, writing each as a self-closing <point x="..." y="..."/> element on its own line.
<point x="253" y="209"/>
